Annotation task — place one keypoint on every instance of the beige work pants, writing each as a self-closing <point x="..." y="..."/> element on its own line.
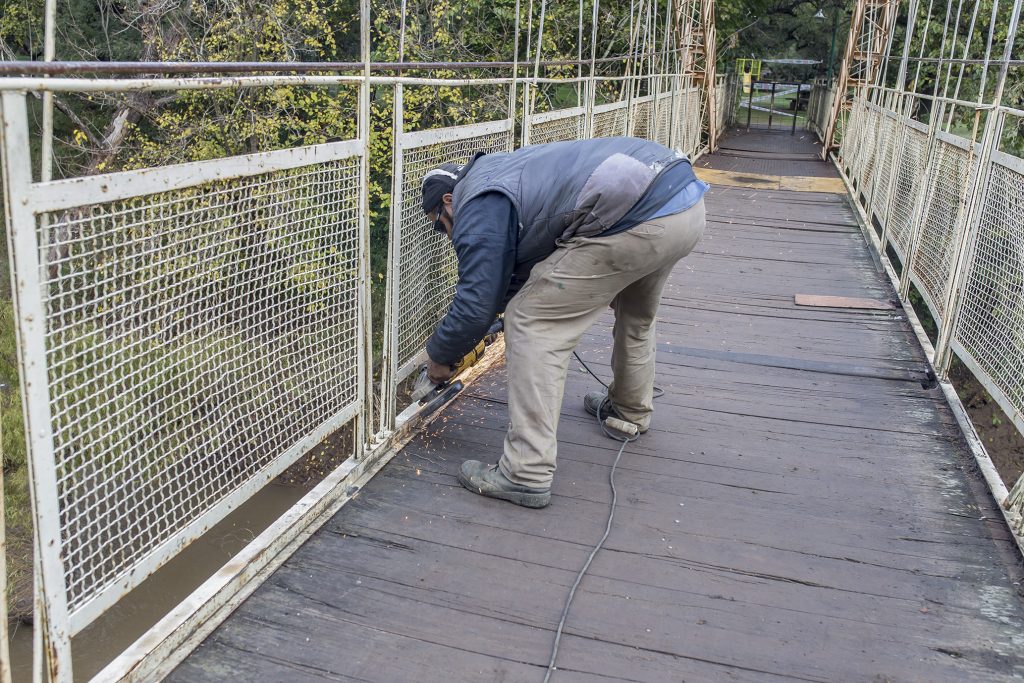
<point x="564" y="295"/>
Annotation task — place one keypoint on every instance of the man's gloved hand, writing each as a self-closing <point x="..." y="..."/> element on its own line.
<point x="437" y="372"/>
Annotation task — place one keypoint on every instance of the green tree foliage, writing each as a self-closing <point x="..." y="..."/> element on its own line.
<point x="108" y="132"/>
<point x="770" y="29"/>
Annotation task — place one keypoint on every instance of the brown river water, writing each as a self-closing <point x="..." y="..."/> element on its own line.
<point x="134" y="614"/>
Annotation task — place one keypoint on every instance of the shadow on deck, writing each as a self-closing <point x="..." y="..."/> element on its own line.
<point x="803" y="508"/>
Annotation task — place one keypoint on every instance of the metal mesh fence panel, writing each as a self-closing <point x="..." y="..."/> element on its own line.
<point x="887" y="131"/>
<point x="696" y="104"/>
<point x="852" y="148"/>
<point x="990" y="330"/>
<point x="688" y="121"/>
<point x="939" y="227"/>
<point x="641" y="123"/>
<point x="848" y="150"/>
<point x="724" y="96"/>
<point x="821" y="104"/>
<point x="911" y="159"/>
<point x="555" y="126"/>
<point x="609" y="120"/>
<point x="868" y="143"/>
<point x="193" y="338"/>
<point x="663" y="125"/>
<point x="427" y="269"/>
<point x="679" y="125"/>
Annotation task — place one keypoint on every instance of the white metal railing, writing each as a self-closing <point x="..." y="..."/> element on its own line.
<point x="556" y="125"/>
<point x="187" y="332"/>
<point x="952" y="210"/>
<point x="609" y="120"/>
<point x="819" y="106"/>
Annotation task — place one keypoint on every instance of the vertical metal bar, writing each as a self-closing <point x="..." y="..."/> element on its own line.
<point x="750" y="103"/>
<point x="389" y="360"/>
<point x="540" y="41"/>
<point x="988" y="48"/>
<point x="629" y="60"/>
<point x="655" y="81"/>
<point x="673" y="141"/>
<point x="710" y="57"/>
<point x="513" y="87"/>
<point x="652" y="30"/>
<point x="530" y="89"/>
<point x="966" y="52"/>
<point x="30" y="314"/>
<point x="365" y="394"/>
<point x="901" y="106"/>
<point x="579" y="58"/>
<point x="952" y="50"/>
<point x="527" y="112"/>
<point x="592" y="94"/>
<point x="771" y="106"/>
<point x="388" y="390"/>
<point x="796" y="107"/>
<point x="924" y="40"/>
<point x="526" y="81"/>
<point x="49" y="52"/>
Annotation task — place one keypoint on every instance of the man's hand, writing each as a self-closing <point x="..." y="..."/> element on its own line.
<point x="438" y="373"/>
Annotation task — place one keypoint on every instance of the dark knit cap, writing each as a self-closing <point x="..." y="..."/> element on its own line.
<point x="438" y="182"/>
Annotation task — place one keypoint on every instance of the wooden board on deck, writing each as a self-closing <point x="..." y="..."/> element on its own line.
<point x="823" y="301"/>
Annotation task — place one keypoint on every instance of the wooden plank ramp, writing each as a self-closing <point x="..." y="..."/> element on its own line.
<point x="804" y="507"/>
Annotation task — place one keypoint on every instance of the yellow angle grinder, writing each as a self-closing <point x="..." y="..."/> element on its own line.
<point x="432" y="395"/>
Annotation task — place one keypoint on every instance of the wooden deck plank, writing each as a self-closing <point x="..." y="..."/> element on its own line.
<point x="803" y="508"/>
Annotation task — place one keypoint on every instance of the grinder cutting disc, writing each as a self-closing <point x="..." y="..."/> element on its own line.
<point x="423" y="386"/>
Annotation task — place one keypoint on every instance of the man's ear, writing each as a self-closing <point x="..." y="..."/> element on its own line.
<point x="447" y="199"/>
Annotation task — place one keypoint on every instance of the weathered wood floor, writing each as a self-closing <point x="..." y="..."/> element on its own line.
<point x="803" y="508"/>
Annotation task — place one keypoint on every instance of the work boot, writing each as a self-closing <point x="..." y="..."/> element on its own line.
<point x="595" y="401"/>
<point x="488" y="480"/>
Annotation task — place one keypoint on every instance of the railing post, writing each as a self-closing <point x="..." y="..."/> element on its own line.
<point x="364" y="425"/>
<point x="674" y="90"/>
<point x="968" y="237"/>
<point x="796" y="108"/>
<point x="527" y="112"/>
<point x="588" y="116"/>
<point x="750" y="103"/>
<point x="51" y="598"/>
<point x="629" y="106"/>
<point x="389" y="360"/>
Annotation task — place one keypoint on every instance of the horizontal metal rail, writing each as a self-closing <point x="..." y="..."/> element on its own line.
<point x="84" y="85"/>
<point x="169" y="68"/>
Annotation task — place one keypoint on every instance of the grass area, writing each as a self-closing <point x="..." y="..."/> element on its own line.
<point x="17" y="504"/>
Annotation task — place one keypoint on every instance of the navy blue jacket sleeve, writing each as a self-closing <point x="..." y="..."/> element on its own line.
<point x="484" y="238"/>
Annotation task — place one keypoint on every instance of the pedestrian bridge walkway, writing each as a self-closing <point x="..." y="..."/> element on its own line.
<point x="804" y="507"/>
